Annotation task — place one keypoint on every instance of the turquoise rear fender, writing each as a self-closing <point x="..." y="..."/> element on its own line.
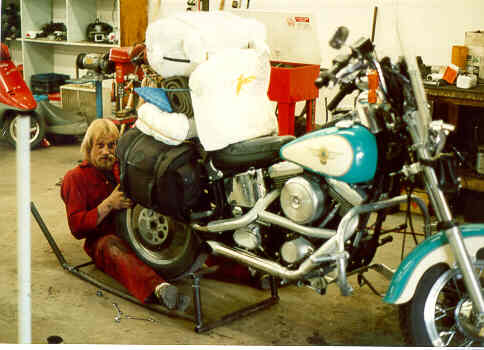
<point x="432" y="251"/>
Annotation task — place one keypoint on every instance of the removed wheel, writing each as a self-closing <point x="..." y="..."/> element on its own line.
<point x="37" y="129"/>
<point x="168" y="246"/>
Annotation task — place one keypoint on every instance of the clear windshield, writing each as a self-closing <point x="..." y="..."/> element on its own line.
<point x="407" y="48"/>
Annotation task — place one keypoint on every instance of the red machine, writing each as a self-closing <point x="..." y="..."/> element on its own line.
<point x="14" y="92"/>
<point x="128" y="75"/>
<point x="291" y="83"/>
<point x="16" y="99"/>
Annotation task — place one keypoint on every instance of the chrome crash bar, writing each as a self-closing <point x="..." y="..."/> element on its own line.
<point x="331" y="250"/>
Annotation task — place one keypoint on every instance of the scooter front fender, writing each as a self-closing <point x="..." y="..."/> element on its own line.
<point x="434" y="250"/>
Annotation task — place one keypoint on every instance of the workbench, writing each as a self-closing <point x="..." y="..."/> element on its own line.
<point x="454" y="98"/>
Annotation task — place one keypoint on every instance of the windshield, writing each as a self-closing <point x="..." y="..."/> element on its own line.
<point x="408" y="52"/>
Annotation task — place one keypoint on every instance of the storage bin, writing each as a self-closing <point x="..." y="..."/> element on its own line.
<point x="47" y="83"/>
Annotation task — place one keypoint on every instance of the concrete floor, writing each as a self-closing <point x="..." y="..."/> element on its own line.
<point x="71" y="308"/>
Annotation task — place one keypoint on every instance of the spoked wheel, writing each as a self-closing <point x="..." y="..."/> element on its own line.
<point x="441" y="312"/>
<point x="37" y="129"/>
<point x="165" y="244"/>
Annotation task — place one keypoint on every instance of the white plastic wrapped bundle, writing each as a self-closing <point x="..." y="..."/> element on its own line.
<point x="229" y="97"/>
<point x="194" y="37"/>
<point x="169" y="128"/>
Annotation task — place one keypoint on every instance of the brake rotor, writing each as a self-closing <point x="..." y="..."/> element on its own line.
<point x="466" y="321"/>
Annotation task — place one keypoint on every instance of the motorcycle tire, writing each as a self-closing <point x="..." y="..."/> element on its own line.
<point x="168" y="246"/>
<point x="429" y="319"/>
<point x="38" y="129"/>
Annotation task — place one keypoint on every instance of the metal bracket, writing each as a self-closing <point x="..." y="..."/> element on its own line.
<point x="195" y="276"/>
<point x="201" y="327"/>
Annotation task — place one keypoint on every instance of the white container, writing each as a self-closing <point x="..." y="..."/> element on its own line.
<point x="475" y="59"/>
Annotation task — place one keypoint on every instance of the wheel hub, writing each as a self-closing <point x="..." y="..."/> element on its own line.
<point x="34" y="129"/>
<point x="466" y="320"/>
<point x="153" y="227"/>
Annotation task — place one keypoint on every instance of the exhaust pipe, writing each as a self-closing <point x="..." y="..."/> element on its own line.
<point x="256" y="262"/>
<point x="331" y="250"/>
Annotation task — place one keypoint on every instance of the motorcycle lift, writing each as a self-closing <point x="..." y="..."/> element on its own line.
<point x="200" y="325"/>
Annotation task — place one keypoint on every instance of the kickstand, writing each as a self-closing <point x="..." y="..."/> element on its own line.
<point x="197" y="301"/>
<point x="362" y="281"/>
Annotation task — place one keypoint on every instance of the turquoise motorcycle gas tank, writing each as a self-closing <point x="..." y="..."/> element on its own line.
<point x="348" y="154"/>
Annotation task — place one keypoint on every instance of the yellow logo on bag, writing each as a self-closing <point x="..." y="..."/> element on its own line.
<point x="241" y="81"/>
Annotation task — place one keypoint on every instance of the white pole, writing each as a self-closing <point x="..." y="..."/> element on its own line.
<point x="23" y="231"/>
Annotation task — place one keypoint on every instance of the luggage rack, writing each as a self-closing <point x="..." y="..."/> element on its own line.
<point x="200" y="325"/>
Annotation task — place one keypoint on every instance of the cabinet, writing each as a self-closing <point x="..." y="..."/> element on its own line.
<point x="42" y="55"/>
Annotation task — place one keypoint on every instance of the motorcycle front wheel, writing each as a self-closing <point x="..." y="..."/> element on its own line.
<point x="37" y="129"/>
<point x="440" y="313"/>
<point x="167" y="245"/>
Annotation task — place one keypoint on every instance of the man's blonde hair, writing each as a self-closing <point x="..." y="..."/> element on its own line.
<point x="98" y="128"/>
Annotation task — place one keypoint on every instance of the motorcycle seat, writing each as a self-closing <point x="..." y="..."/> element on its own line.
<point x="259" y="152"/>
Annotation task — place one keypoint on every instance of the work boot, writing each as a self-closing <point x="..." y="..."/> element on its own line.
<point x="167" y="294"/>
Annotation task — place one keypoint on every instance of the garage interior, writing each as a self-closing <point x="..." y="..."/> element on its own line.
<point x="72" y="91"/>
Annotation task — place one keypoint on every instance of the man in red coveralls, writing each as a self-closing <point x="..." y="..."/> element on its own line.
<point x="91" y="195"/>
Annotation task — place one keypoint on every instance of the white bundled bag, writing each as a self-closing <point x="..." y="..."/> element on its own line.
<point x="229" y="97"/>
<point x="176" y="45"/>
<point x="169" y="128"/>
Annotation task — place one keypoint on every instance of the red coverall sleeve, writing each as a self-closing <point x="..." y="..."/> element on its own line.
<point x="81" y="219"/>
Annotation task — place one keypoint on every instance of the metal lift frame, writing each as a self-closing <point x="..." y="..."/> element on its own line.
<point x="197" y="318"/>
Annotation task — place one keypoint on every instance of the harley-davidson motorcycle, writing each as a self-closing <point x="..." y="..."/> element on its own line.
<point x="310" y="210"/>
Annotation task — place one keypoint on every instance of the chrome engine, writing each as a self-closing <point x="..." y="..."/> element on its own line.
<point x="245" y="189"/>
<point x="346" y="195"/>
<point x="248" y="237"/>
<point x="296" y="250"/>
<point x="303" y="200"/>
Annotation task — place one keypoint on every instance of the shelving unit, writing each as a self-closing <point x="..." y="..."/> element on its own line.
<point x="128" y="18"/>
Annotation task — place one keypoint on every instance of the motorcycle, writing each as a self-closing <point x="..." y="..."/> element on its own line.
<point x="16" y="99"/>
<point x="299" y="208"/>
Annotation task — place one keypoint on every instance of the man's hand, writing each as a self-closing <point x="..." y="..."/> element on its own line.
<point x="116" y="200"/>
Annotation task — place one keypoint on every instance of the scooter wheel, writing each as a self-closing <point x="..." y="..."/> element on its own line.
<point x="37" y="129"/>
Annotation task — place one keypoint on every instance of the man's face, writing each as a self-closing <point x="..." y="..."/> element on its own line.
<point x="102" y="152"/>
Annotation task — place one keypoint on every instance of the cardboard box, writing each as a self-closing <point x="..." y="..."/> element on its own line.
<point x="82" y="98"/>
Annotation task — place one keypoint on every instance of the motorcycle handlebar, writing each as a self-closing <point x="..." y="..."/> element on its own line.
<point x="326" y="76"/>
<point x="345" y="89"/>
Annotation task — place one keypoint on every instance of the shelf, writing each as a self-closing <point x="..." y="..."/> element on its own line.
<point x="42" y="55"/>
<point x="43" y="41"/>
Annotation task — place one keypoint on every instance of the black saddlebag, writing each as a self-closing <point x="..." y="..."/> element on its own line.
<point x="159" y="176"/>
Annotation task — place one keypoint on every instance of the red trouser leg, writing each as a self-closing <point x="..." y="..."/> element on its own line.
<point x="114" y="257"/>
<point x="228" y="270"/>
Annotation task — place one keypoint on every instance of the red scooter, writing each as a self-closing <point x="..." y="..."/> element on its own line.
<point x="16" y="99"/>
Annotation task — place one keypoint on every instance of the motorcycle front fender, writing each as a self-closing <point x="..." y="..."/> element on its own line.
<point x="434" y="250"/>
